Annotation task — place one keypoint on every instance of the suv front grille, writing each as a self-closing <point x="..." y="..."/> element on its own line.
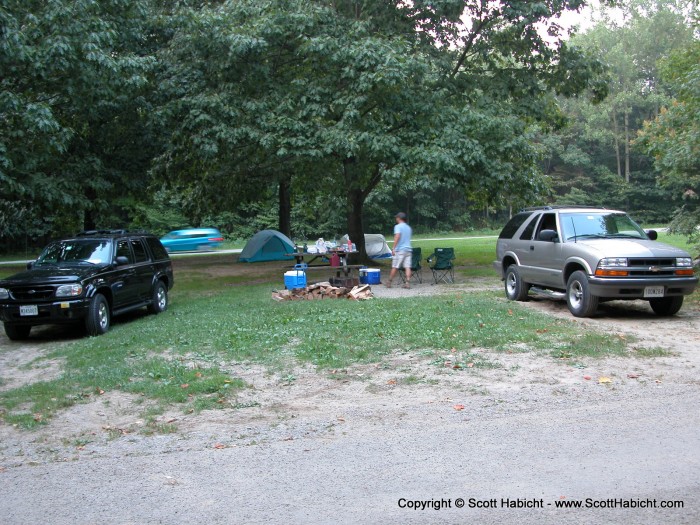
<point x="32" y="293"/>
<point x="651" y="262"/>
<point x="651" y="267"/>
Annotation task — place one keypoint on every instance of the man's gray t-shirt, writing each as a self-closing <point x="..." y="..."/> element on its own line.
<point x="404" y="244"/>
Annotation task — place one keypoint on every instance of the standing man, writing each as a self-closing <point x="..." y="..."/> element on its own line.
<point x="402" y="250"/>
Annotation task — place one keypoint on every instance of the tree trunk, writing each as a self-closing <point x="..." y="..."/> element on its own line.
<point x="627" y="146"/>
<point x="356" y="202"/>
<point x="616" y="134"/>
<point x="354" y="175"/>
<point x="285" y="206"/>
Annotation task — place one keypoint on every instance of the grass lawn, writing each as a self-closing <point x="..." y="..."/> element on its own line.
<point x="221" y="313"/>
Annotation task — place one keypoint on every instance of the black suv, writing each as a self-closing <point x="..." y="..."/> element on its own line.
<point x="87" y="278"/>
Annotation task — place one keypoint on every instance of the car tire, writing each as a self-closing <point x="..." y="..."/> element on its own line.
<point x="159" y="299"/>
<point x="17" y="332"/>
<point x="98" y="319"/>
<point x="516" y="288"/>
<point x="665" y="306"/>
<point x="578" y="296"/>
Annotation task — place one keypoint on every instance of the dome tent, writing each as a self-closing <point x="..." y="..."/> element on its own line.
<point x="267" y="245"/>
<point x="375" y="245"/>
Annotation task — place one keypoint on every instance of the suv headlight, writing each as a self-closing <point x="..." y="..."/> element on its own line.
<point x="69" y="290"/>
<point x="4" y="293"/>
<point x="613" y="262"/>
<point x="684" y="261"/>
<point x="612" y="267"/>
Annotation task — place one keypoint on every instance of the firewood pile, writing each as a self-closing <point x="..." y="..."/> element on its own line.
<point x="324" y="290"/>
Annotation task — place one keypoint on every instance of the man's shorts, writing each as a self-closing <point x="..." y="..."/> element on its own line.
<point x="401" y="260"/>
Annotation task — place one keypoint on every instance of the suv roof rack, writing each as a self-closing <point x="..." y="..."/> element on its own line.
<point x="86" y="233"/>
<point x="563" y="206"/>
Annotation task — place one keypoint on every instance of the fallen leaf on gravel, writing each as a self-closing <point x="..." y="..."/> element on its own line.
<point x="341" y="419"/>
<point x="603" y="379"/>
<point x="457" y="366"/>
<point x="458" y="407"/>
<point x="587" y="378"/>
<point x="219" y="446"/>
<point x="391" y="382"/>
<point x="633" y="376"/>
<point x="470" y="365"/>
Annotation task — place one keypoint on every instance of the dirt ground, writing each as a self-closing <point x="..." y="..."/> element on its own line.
<point x="404" y="388"/>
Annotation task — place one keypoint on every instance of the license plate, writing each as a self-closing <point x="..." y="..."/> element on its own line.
<point x="654" y="291"/>
<point x="30" y="309"/>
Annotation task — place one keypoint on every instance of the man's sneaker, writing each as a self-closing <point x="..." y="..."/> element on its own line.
<point x="406" y="285"/>
<point x="388" y="284"/>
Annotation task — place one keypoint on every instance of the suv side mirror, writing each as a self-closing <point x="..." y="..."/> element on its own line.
<point x="30" y="265"/>
<point x="121" y="260"/>
<point x="652" y="234"/>
<point x="548" y="236"/>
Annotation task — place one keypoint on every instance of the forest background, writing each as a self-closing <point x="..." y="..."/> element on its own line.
<point x="319" y="118"/>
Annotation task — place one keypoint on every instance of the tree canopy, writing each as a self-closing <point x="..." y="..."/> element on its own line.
<point x="324" y="116"/>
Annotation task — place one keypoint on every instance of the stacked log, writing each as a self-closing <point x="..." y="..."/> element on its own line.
<point x="324" y="290"/>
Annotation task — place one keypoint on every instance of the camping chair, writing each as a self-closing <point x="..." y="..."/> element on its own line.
<point x="415" y="267"/>
<point x="441" y="264"/>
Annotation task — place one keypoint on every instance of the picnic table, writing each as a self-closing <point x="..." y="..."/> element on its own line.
<point x="344" y="273"/>
<point x="309" y="257"/>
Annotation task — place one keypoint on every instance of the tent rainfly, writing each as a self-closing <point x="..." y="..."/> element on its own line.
<point x="375" y="244"/>
<point x="267" y="245"/>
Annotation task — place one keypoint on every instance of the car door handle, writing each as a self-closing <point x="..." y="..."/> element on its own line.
<point x="532" y="248"/>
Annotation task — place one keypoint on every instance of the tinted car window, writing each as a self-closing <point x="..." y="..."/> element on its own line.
<point x="548" y="222"/>
<point x="140" y="254"/>
<point x="157" y="248"/>
<point x="529" y="229"/>
<point x="513" y="224"/>
<point x="123" y="250"/>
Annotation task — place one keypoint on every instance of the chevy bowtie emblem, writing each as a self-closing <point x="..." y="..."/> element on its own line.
<point x="31" y="291"/>
<point x="654" y="269"/>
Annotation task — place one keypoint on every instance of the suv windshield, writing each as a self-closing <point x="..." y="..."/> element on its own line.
<point x="92" y="251"/>
<point x="599" y="225"/>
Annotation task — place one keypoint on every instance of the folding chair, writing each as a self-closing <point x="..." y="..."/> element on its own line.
<point x="415" y="267"/>
<point x="441" y="264"/>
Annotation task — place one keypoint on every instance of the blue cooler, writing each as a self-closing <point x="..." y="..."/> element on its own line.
<point x="363" y="275"/>
<point x="295" y="278"/>
<point x="373" y="275"/>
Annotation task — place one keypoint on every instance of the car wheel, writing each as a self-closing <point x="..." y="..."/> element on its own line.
<point x="159" y="299"/>
<point x="97" y="321"/>
<point x="17" y="332"/>
<point x="666" y="305"/>
<point x="516" y="288"/>
<point x="578" y="297"/>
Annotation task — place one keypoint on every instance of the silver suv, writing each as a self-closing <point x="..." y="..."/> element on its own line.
<point x="589" y="255"/>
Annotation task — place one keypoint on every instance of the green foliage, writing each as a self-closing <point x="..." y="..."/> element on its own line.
<point x="673" y="138"/>
<point x="73" y="107"/>
<point x="598" y="146"/>
<point x="344" y="96"/>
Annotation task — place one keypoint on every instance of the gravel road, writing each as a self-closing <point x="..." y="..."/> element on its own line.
<point x="513" y="444"/>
